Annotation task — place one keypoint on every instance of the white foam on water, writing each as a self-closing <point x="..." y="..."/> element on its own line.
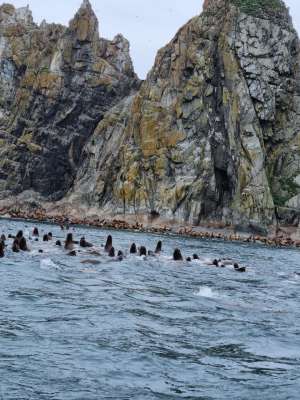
<point x="47" y="263"/>
<point x="206" y="291"/>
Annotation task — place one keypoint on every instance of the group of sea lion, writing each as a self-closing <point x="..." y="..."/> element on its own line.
<point x="20" y="244"/>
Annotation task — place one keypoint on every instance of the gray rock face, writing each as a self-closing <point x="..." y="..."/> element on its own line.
<point x="56" y="84"/>
<point x="213" y="131"/>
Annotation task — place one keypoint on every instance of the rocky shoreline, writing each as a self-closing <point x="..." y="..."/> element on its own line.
<point x="283" y="237"/>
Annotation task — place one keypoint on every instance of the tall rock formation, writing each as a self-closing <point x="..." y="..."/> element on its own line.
<point x="56" y="84"/>
<point x="212" y="133"/>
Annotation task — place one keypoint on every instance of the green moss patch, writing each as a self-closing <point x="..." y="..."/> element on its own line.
<point x="255" y="7"/>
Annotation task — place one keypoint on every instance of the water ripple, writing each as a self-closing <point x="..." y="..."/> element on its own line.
<point x="148" y="329"/>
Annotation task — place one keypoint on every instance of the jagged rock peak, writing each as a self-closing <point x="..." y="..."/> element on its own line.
<point x="10" y="15"/>
<point x="85" y="23"/>
<point x="212" y="3"/>
<point x="86" y="4"/>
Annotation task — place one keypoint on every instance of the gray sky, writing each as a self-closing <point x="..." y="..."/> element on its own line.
<point x="147" y="24"/>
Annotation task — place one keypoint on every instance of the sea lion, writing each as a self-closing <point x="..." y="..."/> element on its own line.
<point x="84" y="243"/>
<point x="69" y="244"/>
<point x="58" y="243"/>
<point x="143" y="251"/>
<point x="158" y="247"/>
<point x="108" y="244"/>
<point x="237" y="268"/>
<point x="177" y="256"/>
<point x="23" y="244"/>
<point x="133" y="249"/>
<point x="15" y="246"/>
<point x="195" y="257"/>
<point x="215" y="263"/>
<point x="111" y="252"/>
<point x="45" y="238"/>
<point x="1" y="249"/>
<point x="19" y="235"/>
<point x="35" y="232"/>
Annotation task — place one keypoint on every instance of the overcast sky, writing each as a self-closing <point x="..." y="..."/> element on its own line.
<point x="147" y="24"/>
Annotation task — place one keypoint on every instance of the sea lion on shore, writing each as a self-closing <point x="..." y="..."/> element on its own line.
<point x="45" y="238"/>
<point x="3" y="238"/>
<point x="35" y="232"/>
<point x="143" y="251"/>
<point x="177" y="256"/>
<point x="50" y="236"/>
<point x="58" y="243"/>
<point x="108" y="244"/>
<point x="84" y="243"/>
<point x="133" y="249"/>
<point x="158" y="247"/>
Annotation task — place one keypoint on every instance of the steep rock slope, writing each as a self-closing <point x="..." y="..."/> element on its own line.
<point x="213" y="133"/>
<point x="56" y="83"/>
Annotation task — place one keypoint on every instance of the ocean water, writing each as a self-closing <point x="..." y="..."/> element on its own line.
<point x="148" y="328"/>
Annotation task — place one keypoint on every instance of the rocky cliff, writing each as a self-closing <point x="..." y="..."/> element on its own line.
<point x="212" y="134"/>
<point x="56" y="84"/>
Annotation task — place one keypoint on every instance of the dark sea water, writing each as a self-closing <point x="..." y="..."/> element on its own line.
<point x="148" y="329"/>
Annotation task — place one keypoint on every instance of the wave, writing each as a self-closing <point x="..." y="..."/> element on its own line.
<point x="206" y="291"/>
<point x="47" y="263"/>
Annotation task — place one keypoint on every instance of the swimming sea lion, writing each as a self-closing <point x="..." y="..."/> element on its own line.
<point x="177" y="256"/>
<point x="158" y="247"/>
<point x="133" y="249"/>
<point x="108" y="244"/>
